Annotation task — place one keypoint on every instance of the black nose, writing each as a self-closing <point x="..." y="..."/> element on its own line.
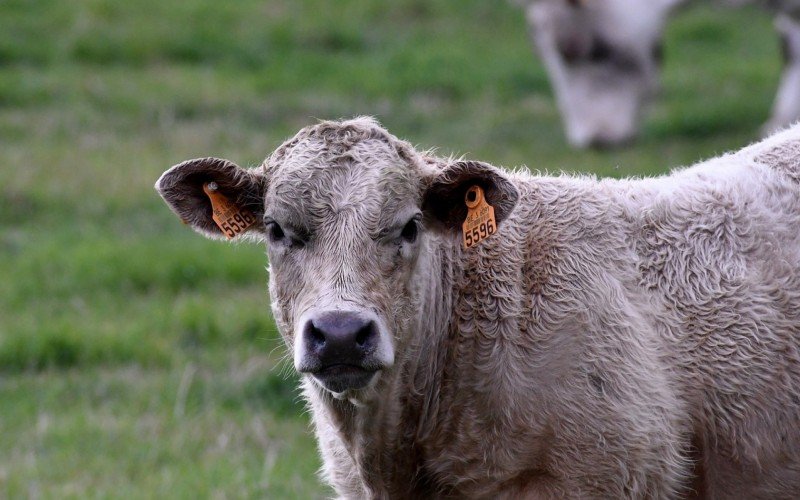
<point x="340" y="337"/>
<point x="607" y="143"/>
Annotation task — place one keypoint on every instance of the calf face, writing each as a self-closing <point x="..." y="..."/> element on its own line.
<point x="349" y="214"/>
<point x="603" y="58"/>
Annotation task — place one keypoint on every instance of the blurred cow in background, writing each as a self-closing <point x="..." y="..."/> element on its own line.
<point x="603" y="58"/>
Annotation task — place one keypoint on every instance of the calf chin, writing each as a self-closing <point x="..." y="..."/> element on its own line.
<point x="344" y="380"/>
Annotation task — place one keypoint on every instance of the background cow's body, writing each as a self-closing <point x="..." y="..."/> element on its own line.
<point x="603" y="58"/>
<point x="633" y="338"/>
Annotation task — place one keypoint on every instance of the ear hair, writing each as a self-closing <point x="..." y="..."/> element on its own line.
<point x="182" y="188"/>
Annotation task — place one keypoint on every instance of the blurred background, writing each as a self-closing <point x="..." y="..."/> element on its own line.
<point x="138" y="359"/>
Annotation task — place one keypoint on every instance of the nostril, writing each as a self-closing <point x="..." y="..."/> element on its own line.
<point x="364" y="334"/>
<point x="316" y="335"/>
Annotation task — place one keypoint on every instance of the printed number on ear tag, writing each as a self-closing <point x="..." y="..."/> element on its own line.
<point x="231" y="219"/>
<point x="480" y="222"/>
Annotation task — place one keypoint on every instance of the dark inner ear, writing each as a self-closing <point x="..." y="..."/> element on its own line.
<point x="444" y="200"/>
<point x="182" y="189"/>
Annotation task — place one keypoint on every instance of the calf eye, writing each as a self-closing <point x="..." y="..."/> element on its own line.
<point x="410" y="230"/>
<point x="274" y="231"/>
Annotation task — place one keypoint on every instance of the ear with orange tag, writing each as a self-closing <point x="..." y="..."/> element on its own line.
<point x="480" y="222"/>
<point x="216" y="197"/>
<point x="468" y="197"/>
<point x="230" y="219"/>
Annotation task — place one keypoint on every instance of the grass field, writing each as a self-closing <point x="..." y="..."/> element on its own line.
<point x="139" y="360"/>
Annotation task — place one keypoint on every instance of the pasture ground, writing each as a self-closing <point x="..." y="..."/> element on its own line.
<point x="139" y="360"/>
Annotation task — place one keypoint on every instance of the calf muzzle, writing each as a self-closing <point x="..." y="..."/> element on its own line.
<point x="340" y="348"/>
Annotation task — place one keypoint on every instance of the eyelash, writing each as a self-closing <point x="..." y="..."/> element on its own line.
<point x="274" y="231"/>
<point x="410" y="231"/>
<point x="276" y="234"/>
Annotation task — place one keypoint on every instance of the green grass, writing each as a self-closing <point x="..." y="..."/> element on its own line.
<point x="140" y="360"/>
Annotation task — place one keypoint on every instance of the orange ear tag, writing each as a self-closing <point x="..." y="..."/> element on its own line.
<point x="480" y="222"/>
<point x="231" y="219"/>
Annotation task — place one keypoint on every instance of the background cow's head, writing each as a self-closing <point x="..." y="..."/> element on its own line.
<point x="603" y="58"/>
<point x="349" y="214"/>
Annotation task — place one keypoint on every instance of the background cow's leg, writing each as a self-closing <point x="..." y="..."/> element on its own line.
<point x="786" y="108"/>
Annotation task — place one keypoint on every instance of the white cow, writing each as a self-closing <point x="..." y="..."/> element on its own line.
<point x="607" y="339"/>
<point x="603" y="58"/>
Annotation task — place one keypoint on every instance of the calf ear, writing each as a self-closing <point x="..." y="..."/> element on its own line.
<point x="443" y="201"/>
<point x="182" y="188"/>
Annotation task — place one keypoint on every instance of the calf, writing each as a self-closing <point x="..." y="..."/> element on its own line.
<point x="610" y="339"/>
<point x="603" y="58"/>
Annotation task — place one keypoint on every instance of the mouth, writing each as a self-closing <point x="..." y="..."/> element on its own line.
<point x="339" y="378"/>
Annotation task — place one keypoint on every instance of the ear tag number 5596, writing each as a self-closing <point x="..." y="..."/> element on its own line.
<point x="230" y="219"/>
<point x="480" y="222"/>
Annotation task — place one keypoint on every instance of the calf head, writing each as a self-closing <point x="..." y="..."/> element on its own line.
<point x="603" y="58"/>
<point x="350" y="216"/>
